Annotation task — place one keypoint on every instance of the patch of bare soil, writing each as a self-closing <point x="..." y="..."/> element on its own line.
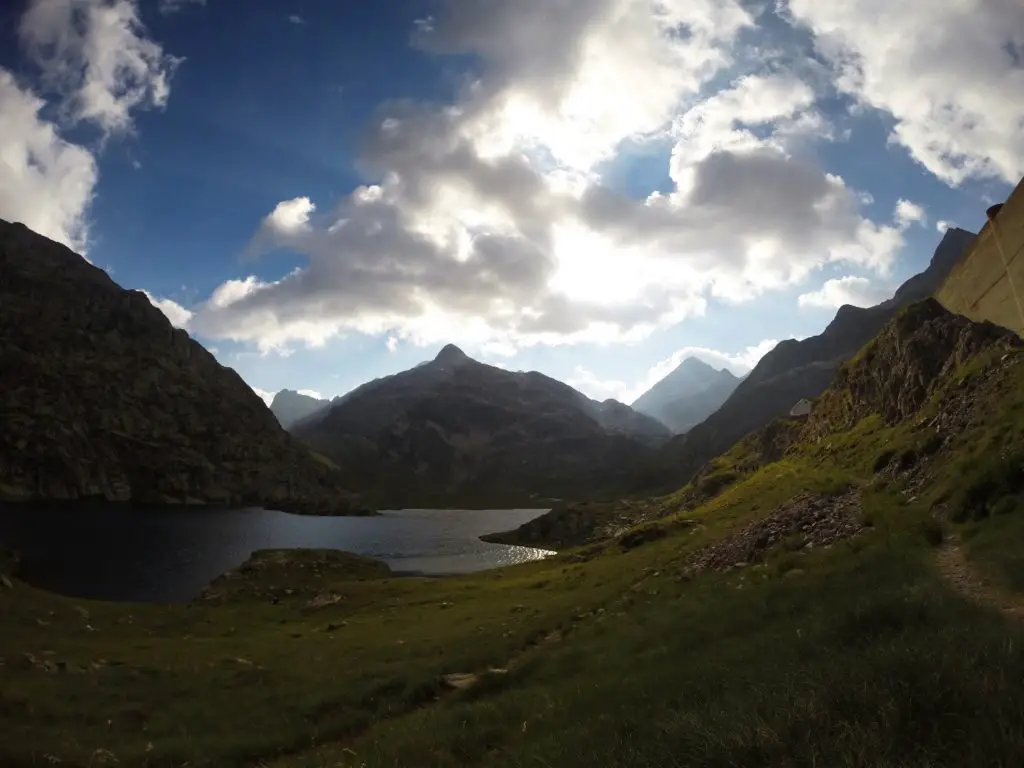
<point x="966" y="580"/>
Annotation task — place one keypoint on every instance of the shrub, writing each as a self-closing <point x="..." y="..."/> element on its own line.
<point x="908" y="459"/>
<point x="932" y="532"/>
<point x="882" y="460"/>
<point x="985" y="491"/>
<point x="932" y="444"/>
<point x="1006" y="505"/>
<point x="715" y="483"/>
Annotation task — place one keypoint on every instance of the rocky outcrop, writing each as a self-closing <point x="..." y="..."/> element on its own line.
<point x="893" y="376"/>
<point x="101" y="398"/>
<point x="456" y="431"/>
<point x="791" y="371"/>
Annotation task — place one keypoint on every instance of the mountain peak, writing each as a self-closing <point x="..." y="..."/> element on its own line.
<point x="694" y="364"/>
<point x="450" y="354"/>
<point x="687" y="395"/>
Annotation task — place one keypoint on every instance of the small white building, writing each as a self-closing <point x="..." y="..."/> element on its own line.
<point x="802" y="408"/>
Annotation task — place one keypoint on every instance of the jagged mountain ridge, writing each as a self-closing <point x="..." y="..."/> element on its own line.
<point x="454" y="428"/>
<point x="793" y="370"/>
<point x="101" y="398"/>
<point x="688" y="395"/>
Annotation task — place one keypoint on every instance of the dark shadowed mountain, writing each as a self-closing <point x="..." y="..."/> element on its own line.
<point x="792" y="370"/>
<point x="101" y="398"/>
<point x="454" y="429"/>
<point x="688" y="395"/>
<point x="291" y="407"/>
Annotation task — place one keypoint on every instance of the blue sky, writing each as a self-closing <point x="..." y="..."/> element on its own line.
<point x="323" y="193"/>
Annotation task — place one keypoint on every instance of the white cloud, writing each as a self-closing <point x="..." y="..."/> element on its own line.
<point x="168" y="7"/>
<point x="311" y="393"/>
<point x="296" y="19"/>
<point x="576" y="78"/>
<point x="95" y="54"/>
<point x="587" y="382"/>
<point x="268" y="397"/>
<point x="908" y="213"/>
<point x="942" y="225"/>
<point x="858" y="291"/>
<point x="944" y="71"/>
<point x="487" y="223"/>
<point x="177" y="314"/>
<point x="46" y="182"/>
<point x="392" y="343"/>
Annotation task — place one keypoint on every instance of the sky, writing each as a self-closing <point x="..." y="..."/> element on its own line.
<point x="323" y="193"/>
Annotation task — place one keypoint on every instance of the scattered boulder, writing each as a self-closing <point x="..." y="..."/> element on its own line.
<point x="815" y="521"/>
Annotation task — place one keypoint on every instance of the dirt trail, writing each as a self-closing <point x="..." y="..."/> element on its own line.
<point x="970" y="583"/>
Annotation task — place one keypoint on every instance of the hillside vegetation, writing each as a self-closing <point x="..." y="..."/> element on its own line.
<point x="834" y="592"/>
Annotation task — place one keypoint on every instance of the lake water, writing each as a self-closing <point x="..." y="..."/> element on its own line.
<point x="169" y="555"/>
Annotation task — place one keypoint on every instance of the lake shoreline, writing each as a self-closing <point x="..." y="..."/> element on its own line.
<point x="171" y="554"/>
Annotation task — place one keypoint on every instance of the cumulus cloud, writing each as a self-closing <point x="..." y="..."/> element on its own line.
<point x="908" y="213"/>
<point x="486" y="221"/>
<point x="46" y="183"/>
<point x="96" y="56"/>
<point x="392" y="343"/>
<point x="593" y="386"/>
<point x="942" y="226"/>
<point x="858" y="291"/>
<point x="177" y="314"/>
<point x="943" y="71"/>
<point x="578" y="78"/>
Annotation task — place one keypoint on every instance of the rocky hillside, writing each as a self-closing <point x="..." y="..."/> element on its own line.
<point x="925" y="353"/>
<point x="922" y="348"/>
<point x="455" y="430"/>
<point x="292" y="407"/>
<point x="794" y="369"/>
<point x="100" y="398"/>
<point x="688" y="395"/>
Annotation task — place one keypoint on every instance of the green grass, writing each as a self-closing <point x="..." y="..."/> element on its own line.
<point x="857" y="655"/>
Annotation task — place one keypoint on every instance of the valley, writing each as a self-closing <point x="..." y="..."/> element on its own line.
<point x="840" y="588"/>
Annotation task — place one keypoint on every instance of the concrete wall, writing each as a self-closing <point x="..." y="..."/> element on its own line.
<point x="980" y="287"/>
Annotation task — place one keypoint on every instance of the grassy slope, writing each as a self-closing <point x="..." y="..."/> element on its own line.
<point x="856" y="655"/>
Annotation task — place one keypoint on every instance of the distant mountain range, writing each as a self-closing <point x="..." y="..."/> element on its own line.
<point x="688" y="395"/>
<point x="456" y="429"/>
<point x="101" y="398"/>
<point x="792" y="370"/>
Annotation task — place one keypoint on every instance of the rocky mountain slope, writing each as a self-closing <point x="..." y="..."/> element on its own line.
<point x="101" y="398"/>
<point x="292" y="407"/>
<point x="793" y="370"/>
<point x="923" y="354"/>
<point x="688" y="395"/>
<point x="454" y="429"/>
